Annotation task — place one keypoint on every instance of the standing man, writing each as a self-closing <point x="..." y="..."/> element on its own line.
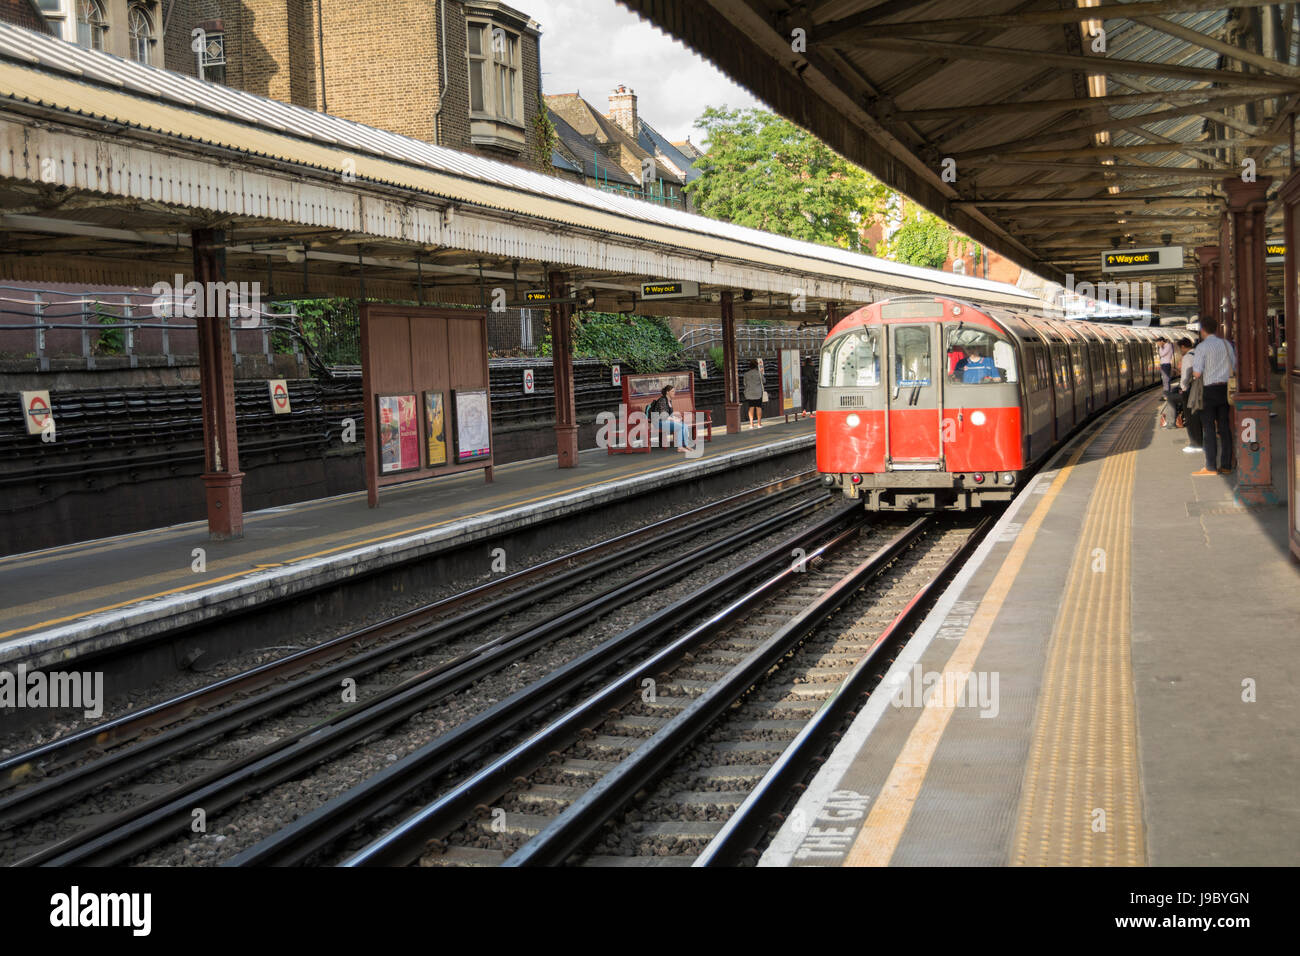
<point x="754" y="394"/>
<point x="1214" y="362"/>
<point x="1166" y="362"/>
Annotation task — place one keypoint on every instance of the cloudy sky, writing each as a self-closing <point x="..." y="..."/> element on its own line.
<point x="591" y="46"/>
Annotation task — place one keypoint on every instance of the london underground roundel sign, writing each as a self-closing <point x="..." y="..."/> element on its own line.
<point x="279" y="396"/>
<point x="37" y="411"/>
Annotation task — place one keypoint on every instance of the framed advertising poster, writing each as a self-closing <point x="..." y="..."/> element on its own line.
<point x="791" y="391"/>
<point x="435" y="429"/>
<point x="399" y="433"/>
<point x="473" y="438"/>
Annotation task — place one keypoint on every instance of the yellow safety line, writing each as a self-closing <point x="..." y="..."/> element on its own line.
<point x="1081" y="804"/>
<point x="343" y="547"/>
<point x="879" y="837"/>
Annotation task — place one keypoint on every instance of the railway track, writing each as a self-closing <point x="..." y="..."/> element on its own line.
<point x="709" y="734"/>
<point x="789" y="600"/>
<point x="307" y="743"/>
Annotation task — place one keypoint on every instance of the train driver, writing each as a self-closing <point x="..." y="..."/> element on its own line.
<point x="978" y="367"/>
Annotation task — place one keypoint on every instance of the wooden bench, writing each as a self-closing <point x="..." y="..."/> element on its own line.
<point x="633" y="433"/>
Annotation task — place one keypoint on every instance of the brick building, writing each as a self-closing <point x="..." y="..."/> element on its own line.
<point x="611" y="150"/>
<point x="458" y="73"/>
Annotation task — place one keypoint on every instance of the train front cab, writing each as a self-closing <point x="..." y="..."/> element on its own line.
<point x="919" y="407"/>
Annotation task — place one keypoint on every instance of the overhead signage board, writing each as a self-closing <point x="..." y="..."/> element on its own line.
<point x="536" y="295"/>
<point x="669" y="290"/>
<point x="1274" y="251"/>
<point x="1156" y="259"/>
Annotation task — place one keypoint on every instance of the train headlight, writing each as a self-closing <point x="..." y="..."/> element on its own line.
<point x="1008" y="479"/>
<point x="828" y="480"/>
<point x="853" y="421"/>
<point x="977" y="418"/>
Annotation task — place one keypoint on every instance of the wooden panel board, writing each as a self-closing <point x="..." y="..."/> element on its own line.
<point x="413" y="350"/>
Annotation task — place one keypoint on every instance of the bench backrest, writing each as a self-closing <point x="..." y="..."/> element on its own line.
<point x="640" y="390"/>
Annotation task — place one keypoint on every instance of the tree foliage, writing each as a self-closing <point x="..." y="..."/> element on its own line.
<point x="764" y="172"/>
<point x="923" y="239"/>
<point x="645" y="343"/>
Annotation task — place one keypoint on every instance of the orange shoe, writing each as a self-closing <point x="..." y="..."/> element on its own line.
<point x="1204" y="472"/>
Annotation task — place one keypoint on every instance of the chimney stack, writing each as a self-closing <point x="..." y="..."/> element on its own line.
<point x="622" y="110"/>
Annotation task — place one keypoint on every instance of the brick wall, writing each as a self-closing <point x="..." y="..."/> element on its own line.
<point x="382" y="62"/>
<point x="22" y="13"/>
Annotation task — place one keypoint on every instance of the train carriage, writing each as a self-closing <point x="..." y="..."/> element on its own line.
<point x="932" y="403"/>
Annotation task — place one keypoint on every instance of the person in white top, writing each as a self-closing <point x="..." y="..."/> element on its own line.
<point x="1166" y="362"/>
<point x="1214" y="364"/>
<point x="1192" y="420"/>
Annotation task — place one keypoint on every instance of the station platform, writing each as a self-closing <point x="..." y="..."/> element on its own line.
<point x="1109" y="681"/>
<point x="62" y="603"/>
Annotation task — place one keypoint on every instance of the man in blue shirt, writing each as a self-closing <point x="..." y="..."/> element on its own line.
<point x="977" y="367"/>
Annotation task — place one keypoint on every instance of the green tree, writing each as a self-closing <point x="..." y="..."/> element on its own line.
<point x="764" y="172"/>
<point x="923" y="239"/>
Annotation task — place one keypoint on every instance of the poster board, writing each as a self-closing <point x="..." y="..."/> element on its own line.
<point x="414" y="361"/>
<point x="435" y="429"/>
<point x="791" y="387"/>
<point x="473" y="425"/>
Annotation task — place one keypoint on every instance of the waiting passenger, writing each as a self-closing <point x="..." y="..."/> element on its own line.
<point x="1190" y="417"/>
<point x="1214" y="364"/>
<point x="754" y="395"/>
<point x="1166" y="362"/>
<point x="978" y="367"/>
<point x="669" y="420"/>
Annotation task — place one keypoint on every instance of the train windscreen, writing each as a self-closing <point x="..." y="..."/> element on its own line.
<point x="852" y="360"/>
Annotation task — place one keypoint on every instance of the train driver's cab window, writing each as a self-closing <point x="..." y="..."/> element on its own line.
<point x="976" y="356"/>
<point x="852" y="360"/>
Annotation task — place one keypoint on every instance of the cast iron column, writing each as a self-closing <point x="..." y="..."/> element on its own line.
<point x="1207" y="280"/>
<point x="731" y="368"/>
<point x="1289" y="196"/>
<point x="1247" y="204"/>
<point x="1227" y="278"/>
<point x="566" y="426"/>
<point x="222" y="479"/>
<point x="832" y="315"/>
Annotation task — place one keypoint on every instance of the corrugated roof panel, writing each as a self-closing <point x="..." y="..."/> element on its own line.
<point x="389" y="158"/>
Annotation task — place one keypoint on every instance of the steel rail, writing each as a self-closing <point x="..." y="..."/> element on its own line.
<point x="131" y="832"/>
<point x="742" y="831"/>
<point x="570" y="830"/>
<point x="405" y="841"/>
<point x="301" y="839"/>
<point x="60" y="790"/>
<point x="621" y="548"/>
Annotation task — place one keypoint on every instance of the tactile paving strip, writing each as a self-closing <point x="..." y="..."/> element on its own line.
<point x="1081" y="802"/>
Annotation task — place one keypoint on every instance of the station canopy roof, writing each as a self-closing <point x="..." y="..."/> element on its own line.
<point x="105" y="166"/>
<point x="1067" y="128"/>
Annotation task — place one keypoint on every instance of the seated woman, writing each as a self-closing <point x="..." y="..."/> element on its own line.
<point x="977" y="367"/>
<point x="669" y="420"/>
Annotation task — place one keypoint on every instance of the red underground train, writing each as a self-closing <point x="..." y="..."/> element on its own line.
<point x="931" y="403"/>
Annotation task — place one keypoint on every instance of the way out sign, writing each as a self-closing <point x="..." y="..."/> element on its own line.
<point x="279" y="396"/>
<point x="37" y="411"/>
<point x="529" y="383"/>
